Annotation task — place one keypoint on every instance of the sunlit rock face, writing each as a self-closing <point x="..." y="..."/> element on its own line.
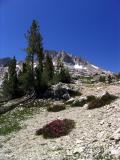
<point x="75" y="64"/>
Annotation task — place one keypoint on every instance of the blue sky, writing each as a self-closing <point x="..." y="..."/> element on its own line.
<point x="88" y="28"/>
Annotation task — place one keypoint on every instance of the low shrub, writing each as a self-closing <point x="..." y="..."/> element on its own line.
<point x="90" y="98"/>
<point x="94" y="104"/>
<point x="56" y="128"/>
<point x="101" y="101"/>
<point x="56" y="108"/>
<point x="107" y="98"/>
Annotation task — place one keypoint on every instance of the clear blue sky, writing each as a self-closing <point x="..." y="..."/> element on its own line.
<point x="88" y="28"/>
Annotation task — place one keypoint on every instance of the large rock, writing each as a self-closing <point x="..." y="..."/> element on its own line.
<point x="60" y="91"/>
<point x="77" y="101"/>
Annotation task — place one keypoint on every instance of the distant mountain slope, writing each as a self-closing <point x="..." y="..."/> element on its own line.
<point x="76" y="65"/>
<point x="4" y="61"/>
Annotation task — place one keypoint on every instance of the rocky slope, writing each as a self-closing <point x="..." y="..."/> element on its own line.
<point x="96" y="135"/>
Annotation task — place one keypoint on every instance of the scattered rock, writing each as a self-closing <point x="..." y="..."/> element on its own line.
<point x="89" y="140"/>
<point x="102" y="122"/>
<point x="66" y="96"/>
<point x="78" y="150"/>
<point x="115" y="151"/>
<point x="1" y="145"/>
<point x="116" y="135"/>
<point x="109" y="124"/>
<point x="100" y="135"/>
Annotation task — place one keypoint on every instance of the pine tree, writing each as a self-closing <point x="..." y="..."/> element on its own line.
<point x="38" y="74"/>
<point x="39" y="69"/>
<point x="24" y="67"/>
<point x="49" y="68"/>
<point x="13" y="80"/>
<point x="5" y="86"/>
<point x="26" y="81"/>
<point x="39" y="51"/>
<point x="34" y="48"/>
<point x="62" y="73"/>
<point x="34" y="41"/>
<point x="10" y="84"/>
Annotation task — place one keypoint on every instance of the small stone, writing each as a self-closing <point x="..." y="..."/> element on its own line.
<point x="69" y="152"/>
<point x="100" y="135"/>
<point x="116" y="135"/>
<point x="78" y="150"/>
<point x="89" y="115"/>
<point x="78" y="141"/>
<point x="109" y="124"/>
<point x="1" y="145"/>
<point x="94" y="140"/>
<point x="102" y="122"/>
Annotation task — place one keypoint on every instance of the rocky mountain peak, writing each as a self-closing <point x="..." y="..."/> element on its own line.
<point x="76" y="65"/>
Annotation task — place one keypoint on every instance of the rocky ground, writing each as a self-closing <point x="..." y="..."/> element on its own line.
<point x="96" y="135"/>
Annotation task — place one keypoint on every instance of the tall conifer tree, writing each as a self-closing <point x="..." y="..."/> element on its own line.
<point x="10" y="84"/>
<point x="49" y="68"/>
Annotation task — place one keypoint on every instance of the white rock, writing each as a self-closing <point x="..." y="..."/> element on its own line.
<point x="69" y="152"/>
<point x="116" y="135"/>
<point x="115" y="151"/>
<point x="102" y="122"/>
<point x="78" y="150"/>
<point x="100" y="134"/>
<point x="78" y="141"/>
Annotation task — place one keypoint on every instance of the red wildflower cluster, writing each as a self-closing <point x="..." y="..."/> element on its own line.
<point x="56" y="128"/>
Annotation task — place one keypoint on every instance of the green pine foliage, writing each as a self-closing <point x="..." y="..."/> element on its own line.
<point x="64" y="76"/>
<point x="102" y="79"/>
<point x="62" y="73"/>
<point x="10" y="84"/>
<point x="44" y="82"/>
<point x="5" y="87"/>
<point x="49" y="68"/>
<point x="34" y="49"/>
<point x="26" y="80"/>
<point x="34" y="41"/>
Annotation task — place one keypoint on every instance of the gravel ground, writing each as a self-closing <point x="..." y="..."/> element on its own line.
<point x="90" y="140"/>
